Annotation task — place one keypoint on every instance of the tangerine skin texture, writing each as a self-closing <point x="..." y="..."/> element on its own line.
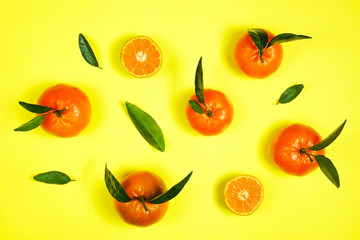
<point x="223" y="111"/>
<point x="286" y="147"/>
<point x="147" y="185"/>
<point x="74" y="119"/>
<point x="248" y="60"/>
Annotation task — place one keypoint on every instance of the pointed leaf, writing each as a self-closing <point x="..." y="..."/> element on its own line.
<point x="115" y="188"/>
<point x="53" y="177"/>
<point x="172" y="192"/>
<point x="196" y="106"/>
<point x="199" y="83"/>
<point x="33" y="123"/>
<point x="286" y="37"/>
<point x="259" y="36"/>
<point x="87" y="52"/>
<point x="328" y="168"/>
<point x="34" y="108"/>
<point x="290" y="93"/>
<point x="327" y="141"/>
<point x="147" y="126"/>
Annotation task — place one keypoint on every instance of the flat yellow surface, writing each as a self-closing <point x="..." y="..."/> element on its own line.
<point x="39" y="48"/>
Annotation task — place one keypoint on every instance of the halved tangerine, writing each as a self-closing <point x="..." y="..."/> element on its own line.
<point x="141" y="57"/>
<point x="243" y="194"/>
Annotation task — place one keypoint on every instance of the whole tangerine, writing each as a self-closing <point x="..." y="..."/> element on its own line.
<point x="73" y="110"/>
<point x="217" y="116"/>
<point x="288" y="149"/>
<point x="248" y="59"/>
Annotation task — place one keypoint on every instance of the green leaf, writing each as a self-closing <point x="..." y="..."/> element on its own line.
<point x="328" y="168"/>
<point x="327" y="141"/>
<point x="87" y="52"/>
<point x="115" y="188"/>
<point x="286" y="37"/>
<point x="34" y="108"/>
<point x="53" y="177"/>
<point x="259" y="36"/>
<point x="172" y="192"/>
<point x="147" y="127"/>
<point x="33" y="123"/>
<point x="290" y="93"/>
<point x="196" y="106"/>
<point x="199" y="83"/>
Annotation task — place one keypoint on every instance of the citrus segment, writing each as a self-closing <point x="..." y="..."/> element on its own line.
<point x="243" y="194"/>
<point x="141" y="57"/>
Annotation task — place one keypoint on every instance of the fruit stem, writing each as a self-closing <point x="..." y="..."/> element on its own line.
<point x="142" y="200"/>
<point x="59" y="112"/>
<point x="303" y="151"/>
<point x="209" y="112"/>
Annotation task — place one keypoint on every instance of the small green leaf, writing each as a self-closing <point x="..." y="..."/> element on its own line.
<point x="147" y="126"/>
<point x="33" y="123"/>
<point x="328" y="168"/>
<point x="290" y="93"/>
<point x="286" y="37"/>
<point x="34" y="108"/>
<point x="196" y="106"/>
<point x="87" y="52"/>
<point x="199" y="83"/>
<point x="259" y="36"/>
<point x="327" y="141"/>
<point x="53" y="177"/>
<point x="115" y="188"/>
<point x="172" y="192"/>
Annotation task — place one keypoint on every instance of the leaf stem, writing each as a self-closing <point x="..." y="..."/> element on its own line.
<point x="261" y="54"/>
<point x="309" y="156"/>
<point x="142" y="200"/>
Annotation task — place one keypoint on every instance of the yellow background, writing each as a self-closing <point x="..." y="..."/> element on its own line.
<point x="39" y="48"/>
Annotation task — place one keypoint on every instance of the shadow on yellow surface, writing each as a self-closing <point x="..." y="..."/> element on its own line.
<point x="115" y="53"/>
<point x="266" y="143"/>
<point x="231" y="36"/>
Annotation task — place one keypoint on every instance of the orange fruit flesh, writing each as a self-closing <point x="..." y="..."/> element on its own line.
<point x="243" y="194"/>
<point x="141" y="57"/>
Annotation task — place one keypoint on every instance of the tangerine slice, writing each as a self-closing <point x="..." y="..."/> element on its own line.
<point x="243" y="194"/>
<point x="141" y="57"/>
